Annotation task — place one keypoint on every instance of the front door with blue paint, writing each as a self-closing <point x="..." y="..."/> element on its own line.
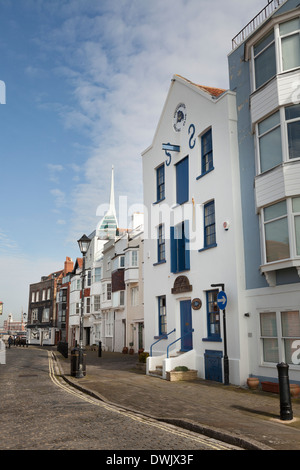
<point x="186" y="325"/>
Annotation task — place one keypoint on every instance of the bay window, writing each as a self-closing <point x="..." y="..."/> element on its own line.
<point x="296" y="220"/>
<point x="264" y="59"/>
<point x="290" y="44"/>
<point x="278" y="51"/>
<point x="281" y="222"/>
<point x="292" y="116"/>
<point x="276" y="232"/>
<point x="273" y="149"/>
<point x="280" y="334"/>
<point x="270" y="148"/>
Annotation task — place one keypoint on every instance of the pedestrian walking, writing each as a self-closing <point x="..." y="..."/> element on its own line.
<point x="10" y="341"/>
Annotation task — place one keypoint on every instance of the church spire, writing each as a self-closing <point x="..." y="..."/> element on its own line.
<point x="112" y="208"/>
<point x="109" y="224"/>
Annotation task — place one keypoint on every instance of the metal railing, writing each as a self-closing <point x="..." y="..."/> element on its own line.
<point x="165" y="336"/>
<point x="256" y="21"/>
<point x="186" y="334"/>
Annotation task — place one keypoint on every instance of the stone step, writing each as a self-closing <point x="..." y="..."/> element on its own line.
<point x="158" y="372"/>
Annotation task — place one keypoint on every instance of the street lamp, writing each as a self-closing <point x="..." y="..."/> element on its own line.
<point x="84" y="244"/>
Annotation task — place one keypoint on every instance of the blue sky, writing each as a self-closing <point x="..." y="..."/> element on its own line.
<point x="86" y="81"/>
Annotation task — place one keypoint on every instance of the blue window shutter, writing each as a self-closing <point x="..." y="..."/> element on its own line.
<point x="187" y="244"/>
<point x="173" y="244"/>
<point x="180" y="247"/>
<point x="182" y="181"/>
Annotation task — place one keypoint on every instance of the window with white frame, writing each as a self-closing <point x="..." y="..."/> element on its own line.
<point x="281" y="230"/>
<point x="292" y="117"/>
<point x="49" y="293"/>
<point x="37" y="296"/>
<point x="87" y="305"/>
<point x="118" y="262"/>
<point x="162" y="315"/>
<point x="108" y="291"/>
<point x="96" y="303"/>
<point x="207" y="163"/>
<point x="134" y="258"/>
<point x="264" y="59"/>
<point x="97" y="275"/>
<point x="134" y="295"/>
<point x="34" y="314"/>
<point x="290" y="44"/>
<point x="109" y="324"/>
<point x="269" y="136"/>
<point x="161" y="243"/>
<point x="118" y="299"/>
<point x="89" y="278"/>
<point x="280" y="335"/>
<point x="278" y="51"/>
<point x="272" y="148"/>
<point x="276" y="232"/>
<point x="46" y="315"/>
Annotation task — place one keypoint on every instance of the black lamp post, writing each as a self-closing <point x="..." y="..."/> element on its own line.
<point x="226" y="361"/>
<point x="84" y="244"/>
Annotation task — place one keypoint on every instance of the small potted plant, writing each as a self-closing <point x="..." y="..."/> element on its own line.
<point x="131" y="350"/>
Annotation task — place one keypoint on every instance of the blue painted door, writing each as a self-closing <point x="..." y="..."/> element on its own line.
<point x="186" y="325"/>
<point x="213" y="365"/>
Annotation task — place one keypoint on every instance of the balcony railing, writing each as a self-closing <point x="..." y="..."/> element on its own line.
<point x="256" y="21"/>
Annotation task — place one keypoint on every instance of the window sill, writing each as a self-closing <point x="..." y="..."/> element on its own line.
<point x="208" y="247"/>
<point x="182" y="271"/>
<point x="206" y="173"/>
<point x="269" y="269"/>
<point x="214" y="340"/>
<point x="157" y="202"/>
<point x="160" y="262"/>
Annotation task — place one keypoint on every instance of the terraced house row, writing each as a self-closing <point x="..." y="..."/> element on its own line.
<point x="211" y="280"/>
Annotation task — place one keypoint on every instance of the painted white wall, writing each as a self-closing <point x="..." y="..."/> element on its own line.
<point x="222" y="264"/>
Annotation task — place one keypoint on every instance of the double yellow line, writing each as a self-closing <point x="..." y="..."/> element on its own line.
<point x="144" y="420"/>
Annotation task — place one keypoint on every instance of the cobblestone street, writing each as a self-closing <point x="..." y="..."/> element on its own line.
<point x="40" y="412"/>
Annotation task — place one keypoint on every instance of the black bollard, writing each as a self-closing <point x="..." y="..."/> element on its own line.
<point x="100" y="349"/>
<point x="286" y="412"/>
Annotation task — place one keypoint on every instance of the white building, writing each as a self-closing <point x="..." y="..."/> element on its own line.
<point x="193" y="235"/>
<point x="107" y="298"/>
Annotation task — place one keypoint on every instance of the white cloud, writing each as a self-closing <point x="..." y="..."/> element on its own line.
<point x="60" y="197"/>
<point x="54" y="171"/>
<point x="119" y="63"/>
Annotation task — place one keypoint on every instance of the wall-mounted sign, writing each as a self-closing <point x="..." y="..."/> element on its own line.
<point x="181" y="284"/>
<point x="179" y="117"/>
<point x="196" y="304"/>
<point x="170" y="148"/>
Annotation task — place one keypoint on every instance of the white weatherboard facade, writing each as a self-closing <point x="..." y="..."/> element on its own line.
<point x="192" y="187"/>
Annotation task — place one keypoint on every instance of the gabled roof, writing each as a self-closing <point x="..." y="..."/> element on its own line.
<point x="210" y="93"/>
<point x="216" y="92"/>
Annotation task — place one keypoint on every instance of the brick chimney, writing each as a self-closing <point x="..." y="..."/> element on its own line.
<point x="69" y="266"/>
